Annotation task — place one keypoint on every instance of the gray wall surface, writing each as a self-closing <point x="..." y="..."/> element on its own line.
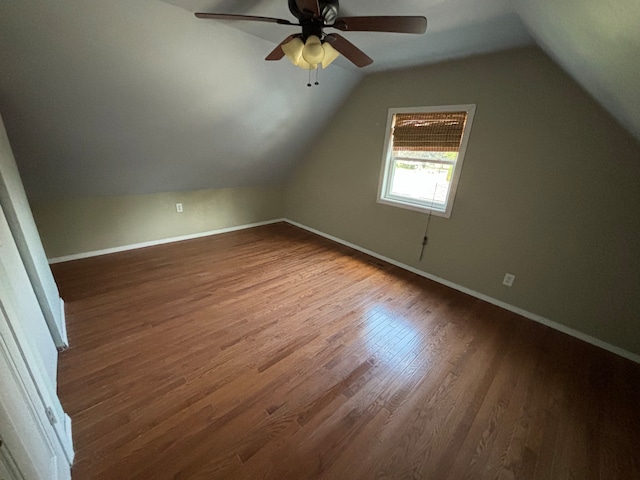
<point x="549" y="191"/>
<point x="84" y="224"/>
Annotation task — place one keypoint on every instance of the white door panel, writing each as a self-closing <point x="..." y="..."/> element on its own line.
<point x="32" y="449"/>
<point x="25" y="442"/>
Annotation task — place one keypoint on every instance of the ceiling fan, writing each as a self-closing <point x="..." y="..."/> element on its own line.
<point x="314" y="47"/>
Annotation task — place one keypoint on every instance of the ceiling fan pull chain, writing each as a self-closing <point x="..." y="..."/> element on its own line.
<point x="309" y="82"/>
<point x="425" y="239"/>
<point x="317" y="73"/>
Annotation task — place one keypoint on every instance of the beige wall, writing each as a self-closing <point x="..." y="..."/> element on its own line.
<point x="549" y="191"/>
<point x="79" y="225"/>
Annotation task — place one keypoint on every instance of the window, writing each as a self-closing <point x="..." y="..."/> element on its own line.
<point x="423" y="153"/>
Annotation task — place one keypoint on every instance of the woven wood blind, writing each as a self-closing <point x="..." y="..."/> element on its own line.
<point x="428" y="132"/>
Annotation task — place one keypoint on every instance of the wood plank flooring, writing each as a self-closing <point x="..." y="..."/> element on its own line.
<point x="271" y="353"/>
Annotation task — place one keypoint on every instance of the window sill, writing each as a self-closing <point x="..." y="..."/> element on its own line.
<point x="414" y="207"/>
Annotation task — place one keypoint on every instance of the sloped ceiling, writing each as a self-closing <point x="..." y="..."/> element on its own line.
<point x="598" y="43"/>
<point x="120" y="97"/>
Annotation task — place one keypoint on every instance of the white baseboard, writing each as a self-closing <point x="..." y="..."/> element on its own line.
<point x="531" y="316"/>
<point x="69" y="436"/>
<point x="123" y="248"/>
<point x="63" y="327"/>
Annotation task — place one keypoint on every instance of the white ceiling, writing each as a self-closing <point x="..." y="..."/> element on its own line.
<point x="121" y="97"/>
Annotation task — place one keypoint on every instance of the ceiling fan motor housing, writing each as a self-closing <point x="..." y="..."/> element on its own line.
<point x="328" y="11"/>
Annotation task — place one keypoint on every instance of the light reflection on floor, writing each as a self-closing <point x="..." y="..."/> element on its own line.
<point x="392" y="339"/>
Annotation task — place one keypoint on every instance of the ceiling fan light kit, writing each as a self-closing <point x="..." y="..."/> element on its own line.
<point x="310" y="54"/>
<point x="313" y="47"/>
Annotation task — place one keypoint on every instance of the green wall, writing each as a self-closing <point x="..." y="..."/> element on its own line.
<point x="78" y="225"/>
<point x="549" y="191"/>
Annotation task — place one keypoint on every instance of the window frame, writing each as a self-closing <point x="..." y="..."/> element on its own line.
<point x="387" y="171"/>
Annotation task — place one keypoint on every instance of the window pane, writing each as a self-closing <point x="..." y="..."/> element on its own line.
<point x="424" y="150"/>
<point x="423" y="181"/>
<point x="418" y="155"/>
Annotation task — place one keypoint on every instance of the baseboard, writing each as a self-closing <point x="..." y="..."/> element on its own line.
<point x="69" y="436"/>
<point x="531" y="316"/>
<point x="63" y="327"/>
<point x="123" y="248"/>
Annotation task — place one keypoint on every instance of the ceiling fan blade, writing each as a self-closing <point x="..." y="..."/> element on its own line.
<point x="226" y="16"/>
<point x="311" y="6"/>
<point x="396" y="24"/>
<point x="349" y="50"/>
<point x="277" y="52"/>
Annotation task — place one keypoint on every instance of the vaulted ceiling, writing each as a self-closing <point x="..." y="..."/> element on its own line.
<point x="120" y="97"/>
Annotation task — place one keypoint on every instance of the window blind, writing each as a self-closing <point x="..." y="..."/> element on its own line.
<point x="428" y="132"/>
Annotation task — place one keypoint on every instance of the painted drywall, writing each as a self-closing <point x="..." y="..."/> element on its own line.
<point x="597" y="43"/>
<point x="126" y="97"/>
<point x="16" y="208"/>
<point x="549" y="191"/>
<point x="79" y="225"/>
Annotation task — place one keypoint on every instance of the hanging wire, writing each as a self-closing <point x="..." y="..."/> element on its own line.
<point x="425" y="238"/>
<point x="317" y="74"/>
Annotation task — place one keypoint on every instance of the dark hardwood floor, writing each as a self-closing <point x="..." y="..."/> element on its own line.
<point x="273" y="353"/>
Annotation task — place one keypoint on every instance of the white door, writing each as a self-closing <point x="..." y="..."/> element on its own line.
<point x="32" y="448"/>
<point x="8" y="468"/>
<point x="26" y="450"/>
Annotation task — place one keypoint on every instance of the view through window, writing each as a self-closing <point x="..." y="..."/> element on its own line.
<point x="423" y="157"/>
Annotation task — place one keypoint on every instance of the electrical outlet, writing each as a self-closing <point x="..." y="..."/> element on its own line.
<point x="508" y="279"/>
<point x="179" y="208"/>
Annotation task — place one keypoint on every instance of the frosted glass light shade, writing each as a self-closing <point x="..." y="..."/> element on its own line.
<point x="308" y="56"/>
<point x="293" y="50"/>
<point x="313" y="52"/>
<point x="330" y="54"/>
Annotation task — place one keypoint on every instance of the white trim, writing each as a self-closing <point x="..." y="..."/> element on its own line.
<point x="67" y="443"/>
<point x="384" y="195"/>
<point x="63" y="328"/>
<point x="531" y="316"/>
<point x="161" y="241"/>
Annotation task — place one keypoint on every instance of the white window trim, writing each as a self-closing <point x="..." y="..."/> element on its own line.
<point x="386" y="198"/>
